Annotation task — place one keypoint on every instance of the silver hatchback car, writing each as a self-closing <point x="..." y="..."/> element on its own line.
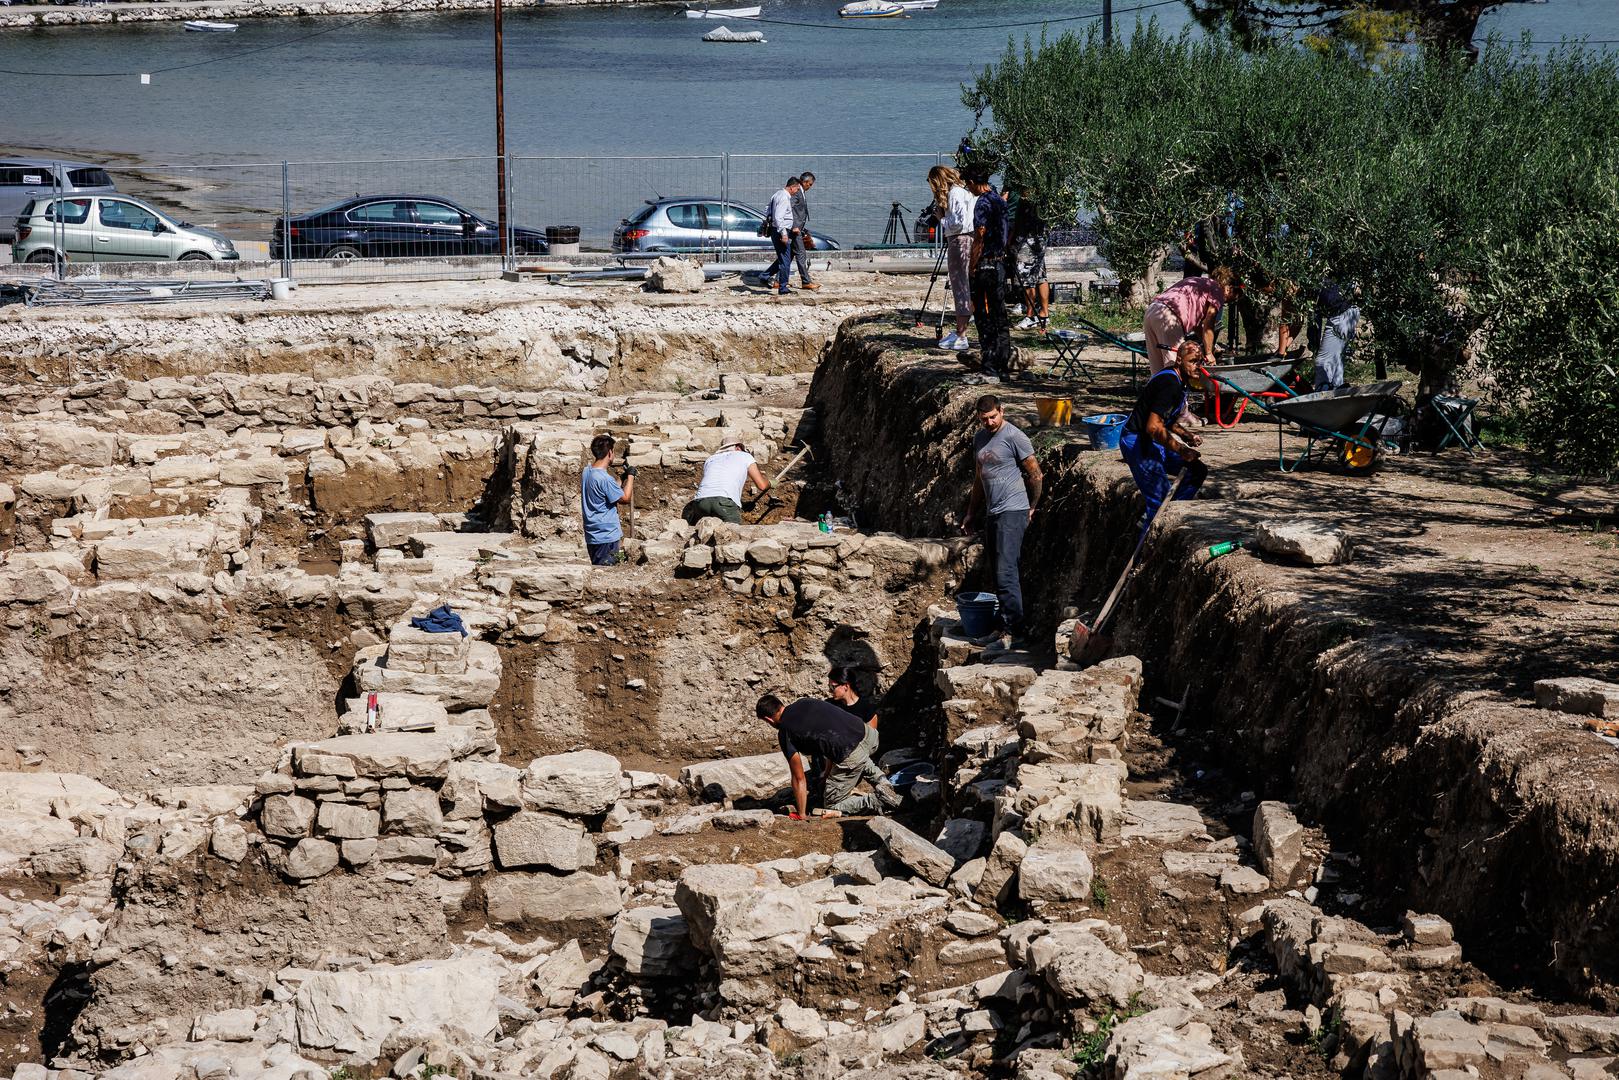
<point x="111" y="228"/>
<point x="696" y="223"/>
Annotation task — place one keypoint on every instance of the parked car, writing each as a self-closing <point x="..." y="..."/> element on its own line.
<point x="107" y="228"/>
<point x="398" y="226"/>
<point x="23" y="180"/>
<point x="697" y="221"/>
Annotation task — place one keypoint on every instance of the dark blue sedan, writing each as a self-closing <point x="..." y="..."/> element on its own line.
<point x="397" y="226"/>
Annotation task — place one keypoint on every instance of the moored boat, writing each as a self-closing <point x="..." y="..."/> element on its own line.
<point x="870" y="9"/>
<point x="723" y="13"/>
<point x="204" y="26"/>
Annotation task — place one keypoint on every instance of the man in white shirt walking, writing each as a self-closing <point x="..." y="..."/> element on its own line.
<point x="725" y="473"/>
<point x="782" y="231"/>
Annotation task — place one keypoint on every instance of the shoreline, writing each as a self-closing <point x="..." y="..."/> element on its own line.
<point x="33" y="17"/>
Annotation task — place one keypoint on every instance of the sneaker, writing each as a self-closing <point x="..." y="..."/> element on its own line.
<point x="962" y="345"/>
<point x="994" y="638"/>
<point x="948" y="343"/>
<point x="997" y="647"/>
<point x="1027" y="324"/>
<point x="886" y="795"/>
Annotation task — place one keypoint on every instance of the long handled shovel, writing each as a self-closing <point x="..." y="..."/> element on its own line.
<point x="1088" y="644"/>
<point x="770" y="498"/>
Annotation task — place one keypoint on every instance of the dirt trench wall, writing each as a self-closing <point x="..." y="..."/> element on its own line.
<point x="1496" y="815"/>
<point x="518" y="344"/>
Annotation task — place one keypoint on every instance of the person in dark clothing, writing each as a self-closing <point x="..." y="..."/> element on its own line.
<point x="1155" y="444"/>
<point x="809" y="729"/>
<point x="841" y="681"/>
<point x="988" y="269"/>
<point x="1336" y="320"/>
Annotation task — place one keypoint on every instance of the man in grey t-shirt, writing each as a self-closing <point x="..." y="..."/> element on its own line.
<point x="1006" y="489"/>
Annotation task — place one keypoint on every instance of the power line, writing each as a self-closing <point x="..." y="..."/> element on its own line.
<point x="395" y="11"/>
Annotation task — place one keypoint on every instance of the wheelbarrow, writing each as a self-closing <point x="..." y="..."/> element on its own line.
<point x="1253" y="381"/>
<point x="1348" y="422"/>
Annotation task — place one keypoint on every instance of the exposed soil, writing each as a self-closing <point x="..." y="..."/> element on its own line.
<point x="1386" y="695"/>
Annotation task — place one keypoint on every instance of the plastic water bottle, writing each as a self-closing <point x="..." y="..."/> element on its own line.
<point x="1224" y="548"/>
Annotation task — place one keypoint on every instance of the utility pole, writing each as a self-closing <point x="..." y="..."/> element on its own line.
<point x="500" y="131"/>
<point x="1107" y="22"/>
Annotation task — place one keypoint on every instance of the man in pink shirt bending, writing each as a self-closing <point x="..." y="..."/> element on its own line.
<point x="1187" y="309"/>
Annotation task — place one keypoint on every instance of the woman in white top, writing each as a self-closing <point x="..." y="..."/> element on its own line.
<point x="954" y="204"/>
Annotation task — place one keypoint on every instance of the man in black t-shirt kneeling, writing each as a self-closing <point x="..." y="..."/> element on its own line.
<point x="809" y="729"/>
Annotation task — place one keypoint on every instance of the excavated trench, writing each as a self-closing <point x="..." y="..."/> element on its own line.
<point x="590" y="772"/>
<point x="1380" y="705"/>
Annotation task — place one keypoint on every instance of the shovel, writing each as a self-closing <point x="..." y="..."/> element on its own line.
<point x="770" y="497"/>
<point x="1088" y="644"/>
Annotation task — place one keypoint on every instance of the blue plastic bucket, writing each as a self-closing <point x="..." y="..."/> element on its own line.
<point x="1104" y="430"/>
<point x="978" y="611"/>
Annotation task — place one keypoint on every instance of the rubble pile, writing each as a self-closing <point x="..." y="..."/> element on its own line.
<point x="796" y="558"/>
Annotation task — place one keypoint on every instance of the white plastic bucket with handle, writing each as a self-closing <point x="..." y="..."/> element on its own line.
<point x="280" y="288"/>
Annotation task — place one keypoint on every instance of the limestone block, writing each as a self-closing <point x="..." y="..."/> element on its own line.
<point x="33" y="586"/>
<point x="1426" y="929"/>
<point x="668" y="274"/>
<point x="1278" y="841"/>
<point x="250" y="471"/>
<point x="560" y="976"/>
<point x="473" y="689"/>
<point x="228" y="1025"/>
<point x="493" y="785"/>
<point x="549" y="583"/>
<point x="653" y="942"/>
<point x="154" y="551"/>
<point x="1167" y="1043"/>
<point x="529" y="839"/>
<point x="1581" y="1034"/>
<point x="419" y="755"/>
<point x="354" y="1012"/>
<point x="408" y="849"/>
<point x="406" y="644"/>
<point x="697" y="557"/>
<point x="345" y="821"/>
<point x="397" y="712"/>
<point x="1445" y="1040"/>
<point x="184" y="469"/>
<point x="394" y="530"/>
<point x="1075" y="963"/>
<point x="750" y="930"/>
<point x="756" y="777"/>
<point x="1005" y="856"/>
<point x="413" y="811"/>
<point x="1085" y="799"/>
<point x="287" y="817"/>
<point x="962" y="838"/>
<point x="1055" y="871"/>
<point x="228" y="841"/>
<point x="309" y="859"/>
<point x="523" y="899"/>
<point x="583" y="782"/>
<point x="1578" y="695"/>
<point x="767" y="552"/>
<point x="310" y="762"/>
<point x="1310" y="542"/>
<point x="927" y="861"/>
<point x="79" y="857"/>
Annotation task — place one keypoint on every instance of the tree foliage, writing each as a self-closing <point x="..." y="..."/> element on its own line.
<point x="1450" y="25"/>
<point x="1411" y="180"/>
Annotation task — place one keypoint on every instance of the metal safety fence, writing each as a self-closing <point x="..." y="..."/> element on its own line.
<point x="421" y="218"/>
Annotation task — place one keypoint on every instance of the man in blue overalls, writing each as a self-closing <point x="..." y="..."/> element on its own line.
<point x="1155" y="444"/>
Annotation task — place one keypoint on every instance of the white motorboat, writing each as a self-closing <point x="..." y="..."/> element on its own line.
<point x="723" y="13"/>
<point x="731" y="37"/>
<point x="917" y="5"/>
<point x="204" y="26"/>
<point x="870" y="9"/>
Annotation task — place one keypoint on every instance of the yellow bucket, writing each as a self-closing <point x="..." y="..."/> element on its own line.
<point x="1054" y="412"/>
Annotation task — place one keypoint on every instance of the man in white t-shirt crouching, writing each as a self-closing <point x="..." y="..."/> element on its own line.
<point x="720" y="493"/>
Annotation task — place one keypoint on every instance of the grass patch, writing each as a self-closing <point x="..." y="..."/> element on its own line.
<point x="1099" y="894"/>
<point x="1110" y="317"/>
<point x="1089" y="1051"/>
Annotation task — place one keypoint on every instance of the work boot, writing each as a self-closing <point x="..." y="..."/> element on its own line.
<point x="886" y="795"/>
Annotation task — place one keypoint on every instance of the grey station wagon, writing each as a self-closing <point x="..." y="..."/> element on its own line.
<point x="110" y="228"/>
<point x="23" y="180"/>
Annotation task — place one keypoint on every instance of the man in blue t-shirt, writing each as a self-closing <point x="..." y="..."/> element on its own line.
<point x="600" y="497"/>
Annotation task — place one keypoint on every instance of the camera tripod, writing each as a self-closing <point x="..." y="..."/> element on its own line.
<point x="896" y="225"/>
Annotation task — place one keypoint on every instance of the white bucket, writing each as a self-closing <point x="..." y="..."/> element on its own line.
<point x="280" y="288"/>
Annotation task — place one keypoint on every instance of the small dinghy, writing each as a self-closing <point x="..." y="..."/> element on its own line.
<point x="728" y="36"/>
<point x="723" y="13"/>
<point x="870" y="9"/>
<point x="203" y="26"/>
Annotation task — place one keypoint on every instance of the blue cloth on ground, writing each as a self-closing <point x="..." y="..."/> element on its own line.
<point x="441" y="620"/>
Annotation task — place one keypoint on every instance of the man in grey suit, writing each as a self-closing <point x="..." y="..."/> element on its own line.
<point x="801" y="237"/>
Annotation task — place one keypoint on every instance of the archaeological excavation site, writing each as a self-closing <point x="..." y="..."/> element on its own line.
<point x="1326" y="806"/>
